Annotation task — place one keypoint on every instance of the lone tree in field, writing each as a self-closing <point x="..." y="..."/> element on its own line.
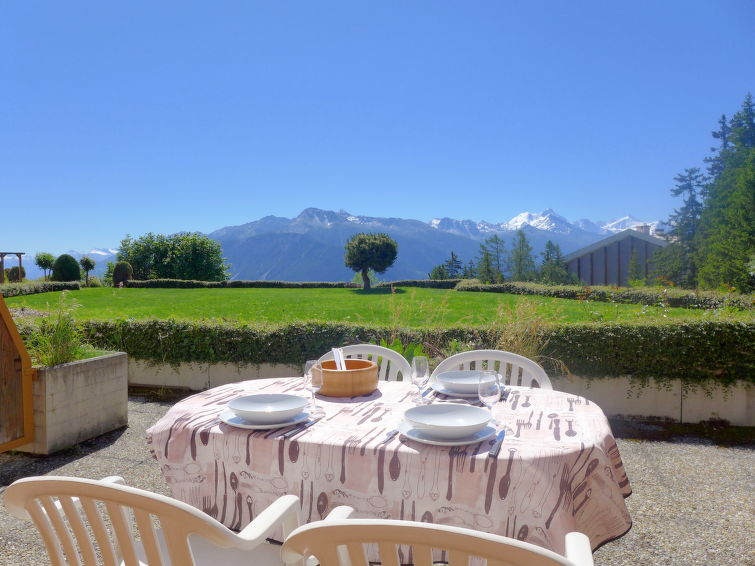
<point x="45" y="261"/>
<point x="87" y="264"/>
<point x="370" y="251"/>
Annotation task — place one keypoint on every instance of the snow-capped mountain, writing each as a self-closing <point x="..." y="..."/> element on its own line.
<point x="626" y="222"/>
<point x="309" y="247"/>
<point x="548" y="220"/>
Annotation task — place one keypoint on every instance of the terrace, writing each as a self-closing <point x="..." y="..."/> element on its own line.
<point x="691" y="501"/>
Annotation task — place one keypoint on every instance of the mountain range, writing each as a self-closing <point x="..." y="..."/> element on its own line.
<point x="310" y="246"/>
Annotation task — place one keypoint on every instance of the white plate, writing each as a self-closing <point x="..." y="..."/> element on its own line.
<point x="413" y="434"/>
<point x="448" y="421"/>
<point x="268" y="408"/>
<point x="445" y="391"/>
<point x="231" y="418"/>
<point x="461" y="381"/>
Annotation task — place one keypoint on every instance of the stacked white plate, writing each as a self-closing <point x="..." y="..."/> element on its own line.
<point x="446" y="424"/>
<point x="459" y="383"/>
<point x="265" y="411"/>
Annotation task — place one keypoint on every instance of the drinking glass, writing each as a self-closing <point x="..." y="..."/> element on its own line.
<point x="420" y="375"/>
<point x="313" y="383"/>
<point x="489" y="391"/>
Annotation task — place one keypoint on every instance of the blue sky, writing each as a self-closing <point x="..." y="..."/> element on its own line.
<point x="155" y="116"/>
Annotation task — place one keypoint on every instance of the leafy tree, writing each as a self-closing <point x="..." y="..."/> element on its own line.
<point x="520" y="259"/>
<point x="122" y="272"/>
<point x="374" y="280"/>
<point x="370" y="251"/>
<point x="553" y="270"/>
<point x="87" y="264"/>
<point x="44" y="261"/>
<point x="497" y="249"/>
<point x="185" y="255"/>
<point x="66" y="268"/>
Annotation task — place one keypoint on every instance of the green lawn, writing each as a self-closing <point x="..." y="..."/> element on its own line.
<point x="407" y="307"/>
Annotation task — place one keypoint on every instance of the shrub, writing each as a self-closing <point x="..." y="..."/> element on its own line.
<point x="58" y="339"/>
<point x="16" y="275"/>
<point x="424" y="283"/>
<point x="672" y="297"/>
<point x="18" y="289"/>
<point x="95" y="281"/>
<point x="190" y="284"/>
<point x="66" y="268"/>
<point x="122" y="273"/>
<point x="695" y="352"/>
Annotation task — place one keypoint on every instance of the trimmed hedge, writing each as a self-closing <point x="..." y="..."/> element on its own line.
<point x="18" y="289"/>
<point x="192" y="284"/>
<point x="425" y="283"/>
<point x="696" y="352"/>
<point x="673" y="297"/>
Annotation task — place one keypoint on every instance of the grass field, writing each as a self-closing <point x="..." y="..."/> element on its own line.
<point x="407" y="307"/>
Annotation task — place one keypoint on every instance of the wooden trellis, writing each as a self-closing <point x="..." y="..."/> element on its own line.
<point x="16" y="375"/>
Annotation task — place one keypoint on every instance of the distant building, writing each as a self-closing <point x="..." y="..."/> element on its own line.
<point x="606" y="262"/>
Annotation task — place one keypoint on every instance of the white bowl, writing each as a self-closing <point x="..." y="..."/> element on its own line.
<point x="268" y="408"/>
<point x="447" y="420"/>
<point x="460" y="381"/>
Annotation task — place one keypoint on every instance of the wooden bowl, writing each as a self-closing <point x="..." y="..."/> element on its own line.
<point x="359" y="378"/>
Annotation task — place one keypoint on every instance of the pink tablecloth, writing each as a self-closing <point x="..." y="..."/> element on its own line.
<point x="559" y="470"/>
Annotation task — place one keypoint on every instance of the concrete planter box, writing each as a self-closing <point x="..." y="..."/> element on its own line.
<point x="77" y="401"/>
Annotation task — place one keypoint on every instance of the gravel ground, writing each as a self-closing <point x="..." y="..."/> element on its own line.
<point x="692" y="502"/>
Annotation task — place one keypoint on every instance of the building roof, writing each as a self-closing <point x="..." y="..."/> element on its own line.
<point x="615" y="238"/>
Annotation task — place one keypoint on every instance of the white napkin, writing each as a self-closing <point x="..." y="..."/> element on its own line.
<point x="338" y="357"/>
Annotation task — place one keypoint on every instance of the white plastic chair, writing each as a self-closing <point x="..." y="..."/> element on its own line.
<point x="390" y="363"/>
<point x="515" y="369"/>
<point x="81" y="518"/>
<point x="341" y="543"/>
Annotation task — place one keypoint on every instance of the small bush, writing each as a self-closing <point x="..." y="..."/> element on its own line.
<point x="13" y="274"/>
<point x="35" y="287"/>
<point x="670" y="297"/>
<point x="122" y="273"/>
<point x="424" y="283"/>
<point x="94" y="281"/>
<point x="190" y="284"/>
<point x="66" y="268"/>
<point x="58" y="339"/>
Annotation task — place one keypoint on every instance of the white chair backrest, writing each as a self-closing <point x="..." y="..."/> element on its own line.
<point x="341" y="543"/>
<point x="390" y="363"/>
<point x="80" y="518"/>
<point x="515" y="369"/>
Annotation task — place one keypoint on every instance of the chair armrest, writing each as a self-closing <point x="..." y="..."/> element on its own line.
<point x="578" y="549"/>
<point x="114" y="479"/>
<point x="339" y="513"/>
<point x="282" y="512"/>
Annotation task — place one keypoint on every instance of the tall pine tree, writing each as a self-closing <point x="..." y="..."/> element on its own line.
<point x="521" y="262"/>
<point x="727" y="239"/>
